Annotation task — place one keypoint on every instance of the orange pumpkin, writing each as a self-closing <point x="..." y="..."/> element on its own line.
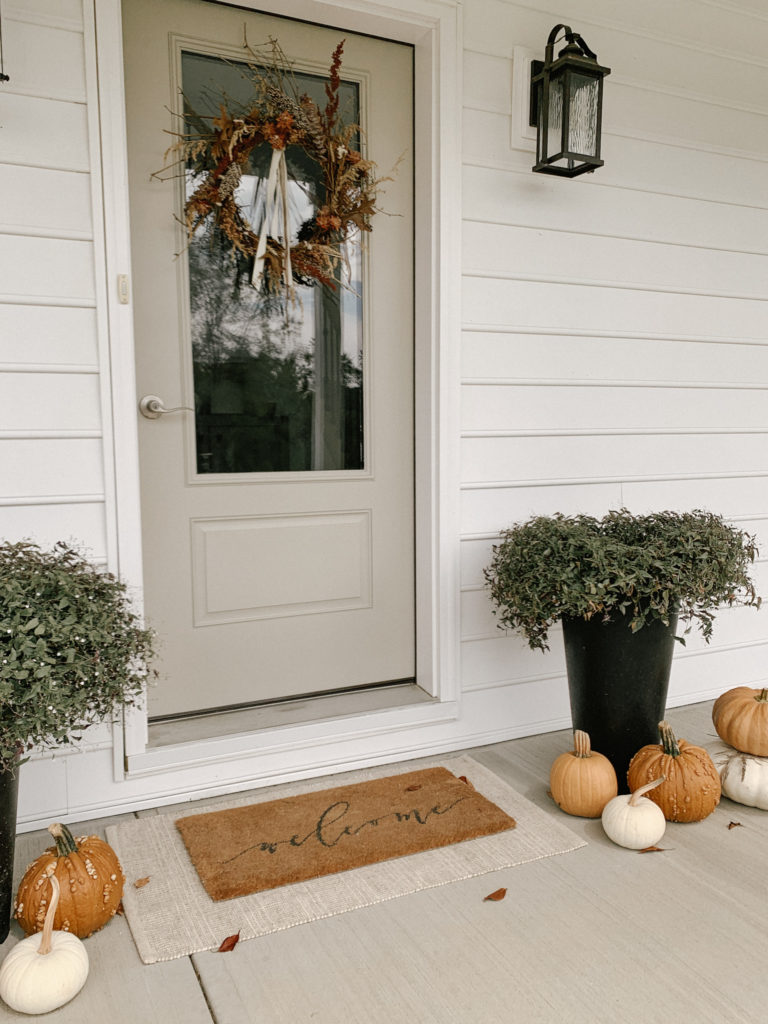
<point x="740" y="716"/>
<point x="91" y="881"/>
<point x="582" y="781"/>
<point x="691" y="789"/>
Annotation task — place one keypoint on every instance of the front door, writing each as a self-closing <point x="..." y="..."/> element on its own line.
<point x="277" y="496"/>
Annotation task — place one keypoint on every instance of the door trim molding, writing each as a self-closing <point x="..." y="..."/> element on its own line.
<point x="433" y="27"/>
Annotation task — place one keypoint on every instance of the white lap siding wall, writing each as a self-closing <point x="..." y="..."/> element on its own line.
<point x="615" y="326"/>
<point x="615" y="341"/>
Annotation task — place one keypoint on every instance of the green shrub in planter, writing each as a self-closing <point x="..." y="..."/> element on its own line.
<point x="645" y="567"/>
<point x="72" y="650"/>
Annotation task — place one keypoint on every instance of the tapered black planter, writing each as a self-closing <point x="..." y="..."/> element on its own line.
<point x="618" y="682"/>
<point x="9" y="791"/>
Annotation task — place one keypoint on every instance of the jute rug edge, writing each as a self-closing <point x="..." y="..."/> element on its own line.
<point x="179" y="875"/>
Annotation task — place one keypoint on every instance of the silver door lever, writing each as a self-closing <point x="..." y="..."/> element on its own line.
<point x="153" y="407"/>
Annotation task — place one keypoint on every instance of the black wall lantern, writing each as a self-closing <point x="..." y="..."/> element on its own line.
<point x="567" y="106"/>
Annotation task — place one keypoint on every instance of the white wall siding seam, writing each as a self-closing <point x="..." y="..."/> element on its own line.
<point x="47" y="434"/>
<point x="627" y="28"/>
<point x="480" y="327"/>
<point x="627" y="286"/>
<point x="604" y="382"/>
<point x="619" y="432"/>
<point x="51" y="499"/>
<point x="85" y="369"/>
<point x="26" y="16"/>
<point x="734" y="8"/>
<point x="8" y="161"/>
<point x="76" y="99"/>
<point x="23" y="231"/>
<point x="496" y="485"/>
<point x="664" y="242"/>
<point x="64" y="301"/>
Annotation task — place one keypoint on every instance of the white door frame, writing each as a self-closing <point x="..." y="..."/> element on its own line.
<point x="433" y="27"/>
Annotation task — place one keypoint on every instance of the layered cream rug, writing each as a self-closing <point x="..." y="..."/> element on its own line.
<point x="171" y="914"/>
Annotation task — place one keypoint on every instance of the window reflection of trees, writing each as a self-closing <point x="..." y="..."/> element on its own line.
<point x="254" y="371"/>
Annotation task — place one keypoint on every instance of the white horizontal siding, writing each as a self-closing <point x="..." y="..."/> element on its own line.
<point x="615" y="345"/>
<point x="59" y="138"/>
<point x="51" y="466"/>
<point x="537" y="356"/>
<point x="615" y="327"/>
<point x="46" y="336"/>
<point x="47" y="268"/>
<point x="584" y="406"/>
<point x="52" y="470"/>
<point x="43" y="201"/>
<point x="513" y="195"/>
<point x="45" y="60"/>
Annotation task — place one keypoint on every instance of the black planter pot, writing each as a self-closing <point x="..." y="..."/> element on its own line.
<point x="9" y="791"/>
<point x="617" y="682"/>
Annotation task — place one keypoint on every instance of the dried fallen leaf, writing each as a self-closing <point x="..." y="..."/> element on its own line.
<point x="735" y="824"/>
<point x="141" y="882"/>
<point x="229" y="943"/>
<point x="653" y="849"/>
<point x="496" y="896"/>
<point x="412" y="789"/>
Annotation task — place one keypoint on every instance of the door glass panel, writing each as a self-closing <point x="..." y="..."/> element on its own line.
<point x="277" y="389"/>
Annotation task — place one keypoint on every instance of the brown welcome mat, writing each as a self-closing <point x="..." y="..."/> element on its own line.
<point x="171" y="915"/>
<point x="245" y="850"/>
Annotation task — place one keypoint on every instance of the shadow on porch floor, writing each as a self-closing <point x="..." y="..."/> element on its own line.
<point x="598" y="936"/>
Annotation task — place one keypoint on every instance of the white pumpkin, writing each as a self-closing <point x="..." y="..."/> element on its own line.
<point x="45" y="970"/>
<point x="743" y="777"/>
<point x="632" y="820"/>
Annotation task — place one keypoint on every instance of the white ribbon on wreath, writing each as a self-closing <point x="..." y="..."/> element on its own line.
<point x="275" y="209"/>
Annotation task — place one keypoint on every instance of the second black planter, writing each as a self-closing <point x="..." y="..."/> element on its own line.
<point x="617" y="683"/>
<point x="9" y="791"/>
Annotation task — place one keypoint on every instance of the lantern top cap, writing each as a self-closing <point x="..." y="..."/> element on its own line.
<point x="575" y="48"/>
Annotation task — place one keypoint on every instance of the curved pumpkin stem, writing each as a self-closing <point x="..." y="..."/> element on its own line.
<point x="65" y="843"/>
<point x="581" y="744"/>
<point x="642" y="790"/>
<point x="668" y="741"/>
<point x="762" y="697"/>
<point x="45" y="942"/>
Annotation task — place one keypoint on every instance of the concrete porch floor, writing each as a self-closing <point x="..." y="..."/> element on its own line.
<point x="601" y="935"/>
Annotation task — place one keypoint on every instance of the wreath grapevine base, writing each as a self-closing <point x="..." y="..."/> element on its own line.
<point x="218" y="151"/>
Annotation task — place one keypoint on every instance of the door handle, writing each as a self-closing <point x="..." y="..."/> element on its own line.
<point x="153" y="407"/>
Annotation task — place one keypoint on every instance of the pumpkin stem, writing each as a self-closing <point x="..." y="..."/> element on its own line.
<point x="65" y="843"/>
<point x="638" y="793"/>
<point x="668" y="741"/>
<point x="581" y="744"/>
<point x="763" y="695"/>
<point x="45" y="942"/>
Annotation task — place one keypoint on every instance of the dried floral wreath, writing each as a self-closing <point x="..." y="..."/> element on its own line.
<point x="218" y="152"/>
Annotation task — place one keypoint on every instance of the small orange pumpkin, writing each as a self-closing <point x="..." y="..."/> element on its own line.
<point x="740" y="716"/>
<point x="91" y="881"/>
<point x="582" y="781"/>
<point x="691" y="789"/>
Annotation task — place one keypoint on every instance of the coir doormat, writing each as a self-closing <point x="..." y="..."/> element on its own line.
<point x="171" y="915"/>
<point x="244" y="850"/>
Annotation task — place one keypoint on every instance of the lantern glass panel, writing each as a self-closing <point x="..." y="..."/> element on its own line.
<point x="582" y="120"/>
<point x="554" y="141"/>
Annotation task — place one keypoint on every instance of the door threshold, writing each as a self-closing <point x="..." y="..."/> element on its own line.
<point x="298" y="711"/>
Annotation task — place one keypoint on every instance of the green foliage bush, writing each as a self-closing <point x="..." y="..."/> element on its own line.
<point x="645" y="567"/>
<point x="72" y="652"/>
